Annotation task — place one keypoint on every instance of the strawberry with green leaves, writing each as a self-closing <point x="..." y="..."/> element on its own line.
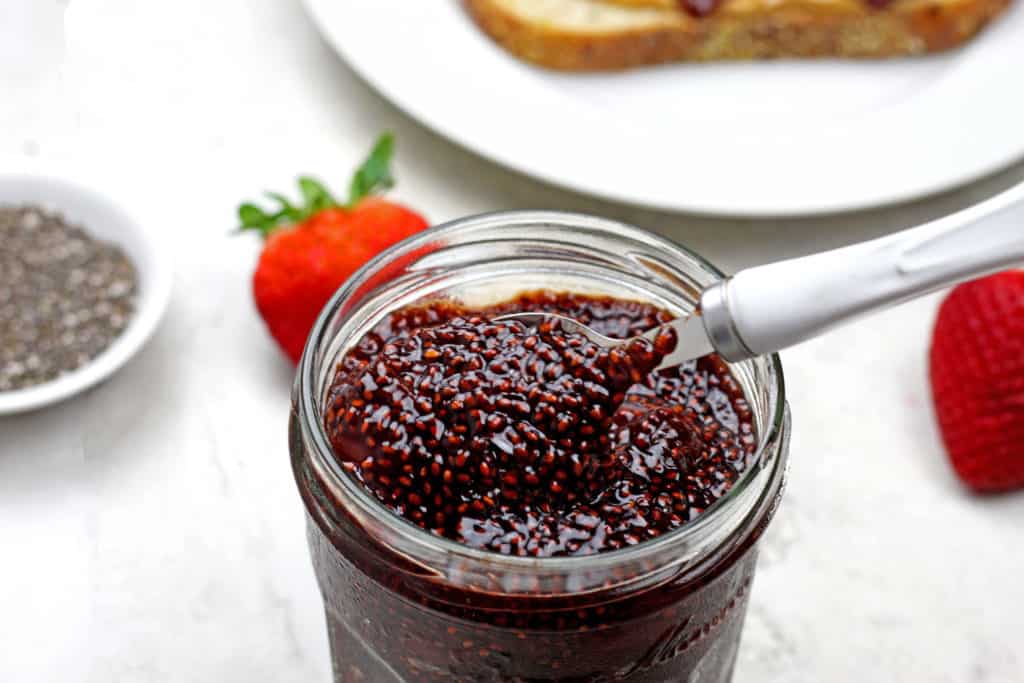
<point x="310" y="249"/>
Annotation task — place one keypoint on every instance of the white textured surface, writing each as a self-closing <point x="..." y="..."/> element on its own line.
<point x="150" y="530"/>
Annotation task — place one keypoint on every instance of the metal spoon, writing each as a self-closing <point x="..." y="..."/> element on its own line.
<point x="768" y="308"/>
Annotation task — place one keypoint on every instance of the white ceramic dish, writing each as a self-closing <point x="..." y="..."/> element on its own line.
<point x="762" y="139"/>
<point x="105" y="219"/>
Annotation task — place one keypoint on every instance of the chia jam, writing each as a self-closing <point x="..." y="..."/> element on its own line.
<point x="536" y="442"/>
<point x="488" y="501"/>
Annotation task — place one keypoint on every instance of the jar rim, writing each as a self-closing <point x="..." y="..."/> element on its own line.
<point x="308" y="399"/>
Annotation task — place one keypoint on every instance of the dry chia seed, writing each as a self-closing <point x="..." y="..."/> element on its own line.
<point x="64" y="296"/>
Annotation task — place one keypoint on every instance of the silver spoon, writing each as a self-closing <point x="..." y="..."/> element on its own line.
<point x="768" y="308"/>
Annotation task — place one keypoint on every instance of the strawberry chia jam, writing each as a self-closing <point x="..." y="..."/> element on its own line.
<point x="495" y="502"/>
<point x="533" y="441"/>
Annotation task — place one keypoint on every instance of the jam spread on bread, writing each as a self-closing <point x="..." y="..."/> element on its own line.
<point x="703" y="8"/>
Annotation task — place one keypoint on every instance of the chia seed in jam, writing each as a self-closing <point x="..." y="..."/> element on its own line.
<point x="534" y="441"/>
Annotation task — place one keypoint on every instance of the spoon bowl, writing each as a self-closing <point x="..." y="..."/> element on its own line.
<point x="691" y="339"/>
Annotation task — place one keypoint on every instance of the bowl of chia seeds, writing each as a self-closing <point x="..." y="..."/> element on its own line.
<point x="82" y="288"/>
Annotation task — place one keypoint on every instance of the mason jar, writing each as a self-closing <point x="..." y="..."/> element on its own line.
<point x="405" y="605"/>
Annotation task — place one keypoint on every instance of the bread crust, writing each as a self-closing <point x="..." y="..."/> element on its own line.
<point x="740" y="30"/>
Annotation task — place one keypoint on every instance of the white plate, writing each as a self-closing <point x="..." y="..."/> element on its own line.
<point x="778" y="138"/>
<point x="105" y="219"/>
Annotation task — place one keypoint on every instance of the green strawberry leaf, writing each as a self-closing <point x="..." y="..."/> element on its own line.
<point x="251" y="215"/>
<point x="375" y="173"/>
<point x="254" y="218"/>
<point x="315" y="195"/>
<point x="288" y="209"/>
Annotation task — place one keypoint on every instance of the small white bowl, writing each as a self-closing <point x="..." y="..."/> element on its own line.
<point x="105" y="219"/>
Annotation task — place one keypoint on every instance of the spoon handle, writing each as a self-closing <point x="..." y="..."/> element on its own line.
<point x="775" y="306"/>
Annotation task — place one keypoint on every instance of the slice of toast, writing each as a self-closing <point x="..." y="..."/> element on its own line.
<point x="595" y="35"/>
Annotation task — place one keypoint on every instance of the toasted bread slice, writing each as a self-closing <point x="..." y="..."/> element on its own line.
<point x="594" y="35"/>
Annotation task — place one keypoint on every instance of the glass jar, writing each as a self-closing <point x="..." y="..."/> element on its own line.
<point x="405" y="605"/>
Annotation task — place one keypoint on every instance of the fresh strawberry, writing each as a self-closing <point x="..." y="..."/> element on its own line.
<point x="311" y="249"/>
<point x="977" y="375"/>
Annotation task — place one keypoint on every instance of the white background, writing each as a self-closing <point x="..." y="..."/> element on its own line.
<point x="150" y="531"/>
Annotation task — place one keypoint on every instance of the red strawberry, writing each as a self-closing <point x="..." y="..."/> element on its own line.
<point x="977" y="374"/>
<point x="312" y="249"/>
